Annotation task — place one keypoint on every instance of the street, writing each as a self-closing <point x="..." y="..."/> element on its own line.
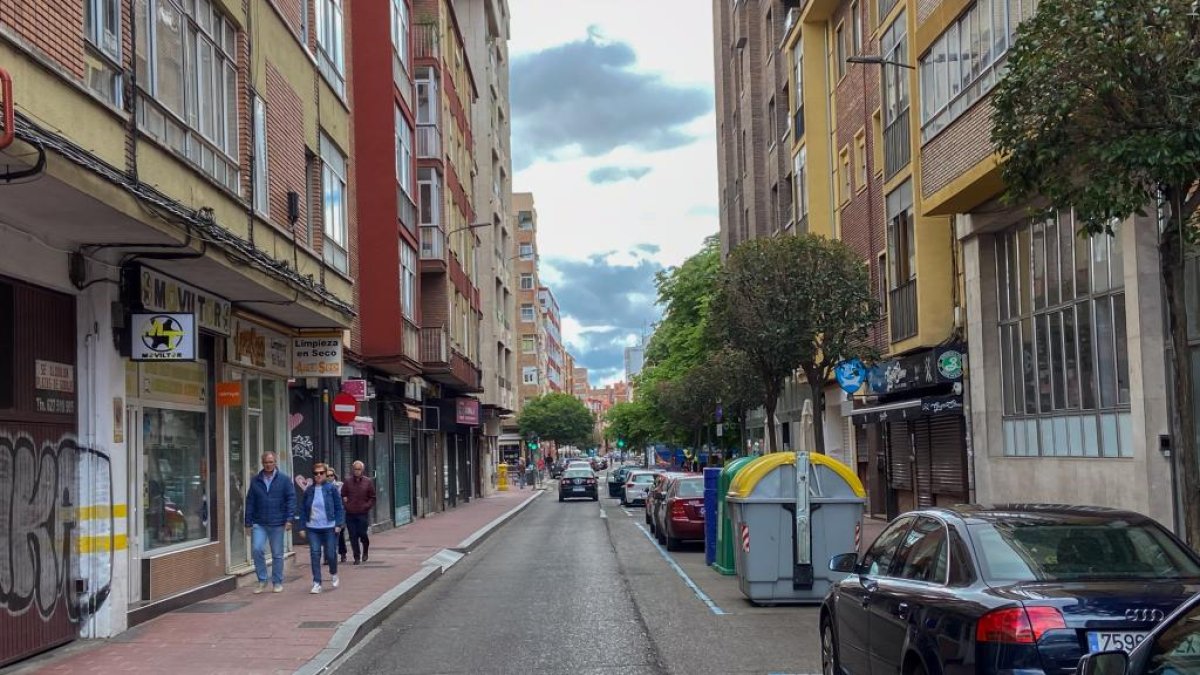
<point x="563" y="589"/>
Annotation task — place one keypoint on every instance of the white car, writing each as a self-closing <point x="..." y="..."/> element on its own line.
<point x="637" y="484"/>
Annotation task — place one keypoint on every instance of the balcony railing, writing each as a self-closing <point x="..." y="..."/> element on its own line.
<point x="433" y="243"/>
<point x="429" y="142"/>
<point x="897" y="145"/>
<point x="435" y="345"/>
<point x="902" y="310"/>
<point x="412" y="340"/>
<point x="425" y="40"/>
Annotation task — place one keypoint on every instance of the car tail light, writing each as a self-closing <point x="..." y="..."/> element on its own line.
<point x="678" y="510"/>
<point x="1018" y="625"/>
<point x="628" y="486"/>
<point x="591" y="481"/>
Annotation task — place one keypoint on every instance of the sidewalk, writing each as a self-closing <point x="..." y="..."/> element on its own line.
<point x="281" y="633"/>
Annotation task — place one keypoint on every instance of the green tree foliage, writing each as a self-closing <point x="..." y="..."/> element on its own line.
<point x="1099" y="111"/>
<point x="557" y="417"/>
<point x="795" y="302"/>
<point x="631" y="421"/>
<point x="680" y="339"/>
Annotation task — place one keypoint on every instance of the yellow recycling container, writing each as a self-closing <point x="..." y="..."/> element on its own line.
<point x="502" y="477"/>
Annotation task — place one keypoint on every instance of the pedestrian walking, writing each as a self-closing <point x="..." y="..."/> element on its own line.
<point x="341" y="535"/>
<point x="521" y="475"/>
<point x="531" y="474"/>
<point x="358" y="493"/>
<point x="270" y="511"/>
<point x="324" y="517"/>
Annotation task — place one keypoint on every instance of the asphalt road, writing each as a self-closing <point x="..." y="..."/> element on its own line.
<point x="561" y="589"/>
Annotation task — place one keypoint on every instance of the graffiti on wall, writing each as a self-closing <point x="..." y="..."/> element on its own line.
<point x="59" y="546"/>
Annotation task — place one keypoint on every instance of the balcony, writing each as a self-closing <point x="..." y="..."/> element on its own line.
<point x="897" y="145"/>
<point x="425" y="40"/>
<point x="412" y="340"/>
<point x="902" y="310"/>
<point x="444" y="364"/>
<point x="433" y="245"/>
<point x="429" y="142"/>
<point x="406" y="210"/>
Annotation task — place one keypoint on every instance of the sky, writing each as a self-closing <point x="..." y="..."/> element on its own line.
<point x="614" y="134"/>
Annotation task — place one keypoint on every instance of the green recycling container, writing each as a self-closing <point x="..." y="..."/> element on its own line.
<point x="725" y="551"/>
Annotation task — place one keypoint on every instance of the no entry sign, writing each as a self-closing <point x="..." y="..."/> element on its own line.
<point x="345" y="408"/>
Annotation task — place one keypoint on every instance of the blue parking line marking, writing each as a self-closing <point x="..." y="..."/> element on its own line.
<point x="712" y="606"/>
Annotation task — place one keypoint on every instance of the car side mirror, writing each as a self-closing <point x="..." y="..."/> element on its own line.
<point x="845" y="563"/>
<point x="1104" y="663"/>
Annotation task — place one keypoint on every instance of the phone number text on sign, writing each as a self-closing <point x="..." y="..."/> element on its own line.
<point x="317" y="357"/>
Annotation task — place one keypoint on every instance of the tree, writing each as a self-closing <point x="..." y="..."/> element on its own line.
<point x="1098" y="112"/>
<point x="557" y="417"/>
<point x="680" y="339"/>
<point x="795" y="302"/>
<point x="631" y="422"/>
<point x="740" y="390"/>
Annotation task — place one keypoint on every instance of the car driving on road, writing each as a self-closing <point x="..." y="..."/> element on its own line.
<point x="578" y="483"/>
<point x="1013" y="589"/>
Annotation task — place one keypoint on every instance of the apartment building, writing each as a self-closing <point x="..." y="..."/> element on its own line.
<point x="568" y="373"/>
<point x="485" y="25"/>
<point x="552" y="344"/>
<point x="580" y="383"/>
<point x="530" y="326"/>
<point x="177" y="275"/>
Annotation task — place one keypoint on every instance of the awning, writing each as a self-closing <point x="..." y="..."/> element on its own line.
<point x="926" y="406"/>
<point x="413" y="411"/>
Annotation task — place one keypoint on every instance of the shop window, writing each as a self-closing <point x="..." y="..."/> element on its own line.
<point x="8" y="323"/>
<point x="176" y="477"/>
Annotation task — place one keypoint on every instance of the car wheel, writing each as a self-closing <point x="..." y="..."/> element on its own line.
<point x="830" y="665"/>
<point x="560" y="498"/>
<point x="673" y="543"/>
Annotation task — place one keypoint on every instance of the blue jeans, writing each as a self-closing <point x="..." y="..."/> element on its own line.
<point x="323" y="538"/>
<point x="258" y="542"/>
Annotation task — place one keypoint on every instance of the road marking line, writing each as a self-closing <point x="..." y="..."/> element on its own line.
<point x="602" y="513"/>
<point x="712" y="606"/>
<point x="627" y="511"/>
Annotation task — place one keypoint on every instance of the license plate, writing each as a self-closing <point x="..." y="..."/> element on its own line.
<point x="578" y="489"/>
<point x="1105" y="641"/>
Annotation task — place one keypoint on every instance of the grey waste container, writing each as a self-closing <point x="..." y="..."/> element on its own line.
<point x="762" y="501"/>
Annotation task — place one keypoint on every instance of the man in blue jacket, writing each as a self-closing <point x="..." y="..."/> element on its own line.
<point x="270" y="511"/>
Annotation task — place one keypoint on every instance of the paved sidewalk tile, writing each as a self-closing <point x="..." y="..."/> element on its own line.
<point x="278" y="633"/>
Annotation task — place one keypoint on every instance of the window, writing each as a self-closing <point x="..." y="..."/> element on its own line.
<point x="525" y="220"/>
<point x="175" y="453"/>
<point x="261" y="202"/>
<point x="527" y="282"/>
<point x="877" y="140"/>
<point x="923" y="555"/>
<point x="878" y="559"/>
<point x="404" y="153"/>
<point x="529" y="375"/>
<point x="855" y="28"/>
<point x="104" y="26"/>
<point x="800" y="189"/>
<point x="885" y="6"/>
<point x="839" y="54"/>
<point x="894" y="47"/>
<point x="526" y="251"/>
<point x="400" y="31"/>
<point x="528" y="345"/>
<point x="330" y="44"/>
<point x="189" y="58"/>
<point x="1064" y="360"/>
<point x="1177" y="649"/>
<point x="798" y="91"/>
<point x="528" y="315"/>
<point x="964" y="63"/>
<point x="901" y="237"/>
<point x="427" y="97"/>
<point x="860" y="158"/>
<point x="430" y="193"/>
<point x="408" y="281"/>
<point x="845" y="184"/>
<point x="333" y="206"/>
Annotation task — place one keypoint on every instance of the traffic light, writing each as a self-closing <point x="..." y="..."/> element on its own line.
<point x="620" y="442"/>
<point x="533" y="444"/>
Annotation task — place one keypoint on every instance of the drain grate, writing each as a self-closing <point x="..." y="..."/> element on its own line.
<point x="320" y="624"/>
<point x="212" y="607"/>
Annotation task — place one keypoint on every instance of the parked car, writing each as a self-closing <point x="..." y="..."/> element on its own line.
<point x="577" y="483"/>
<point x="1173" y="647"/>
<point x="557" y="468"/>
<point x="616" y="481"/>
<point x="655" y="497"/>
<point x="1011" y="589"/>
<point x="637" y="484"/>
<point x="679" y="516"/>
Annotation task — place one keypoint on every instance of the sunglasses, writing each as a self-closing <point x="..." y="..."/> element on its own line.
<point x="318" y="473"/>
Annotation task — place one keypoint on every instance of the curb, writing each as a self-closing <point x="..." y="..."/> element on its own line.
<point x="367" y="619"/>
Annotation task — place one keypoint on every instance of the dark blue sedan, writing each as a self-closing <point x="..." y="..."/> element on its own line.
<point x="1015" y="589"/>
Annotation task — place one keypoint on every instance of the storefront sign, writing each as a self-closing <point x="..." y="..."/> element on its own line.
<point x="356" y="388"/>
<point x="412" y="412"/>
<point x="54" y="387"/>
<point x="317" y="356"/>
<point x="363" y="426"/>
<point x="163" y="337"/>
<point x="161" y="293"/>
<point x="229" y="394"/>
<point x="466" y="411"/>
<point x="926" y="368"/>
<point x="258" y="347"/>
<point x="174" y="382"/>
<point x="850" y="375"/>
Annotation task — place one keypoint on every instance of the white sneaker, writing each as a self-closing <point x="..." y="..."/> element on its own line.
<point x="315" y="589"/>
<point x="278" y="588"/>
<point x="335" y="581"/>
<point x="260" y="587"/>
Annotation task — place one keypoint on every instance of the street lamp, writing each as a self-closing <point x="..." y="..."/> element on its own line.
<point x="876" y="60"/>
<point x="468" y="227"/>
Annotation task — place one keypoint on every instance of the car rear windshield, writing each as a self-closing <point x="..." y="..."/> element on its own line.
<point x="1042" y="551"/>
<point x="692" y="487"/>
<point x="644" y="478"/>
<point x="578" y="473"/>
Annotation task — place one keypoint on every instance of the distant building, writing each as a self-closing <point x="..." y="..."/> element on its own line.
<point x="635" y="358"/>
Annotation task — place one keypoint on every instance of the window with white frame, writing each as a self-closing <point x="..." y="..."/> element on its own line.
<point x="261" y="201"/>
<point x="525" y="220"/>
<point x="526" y="282"/>
<point x="408" y="281"/>
<point x="893" y="46"/>
<point x="331" y="47"/>
<point x="427" y="97"/>
<point x="799" y="177"/>
<point x="966" y="61"/>
<point x="333" y="206"/>
<point x="529" y="375"/>
<point x="528" y="345"/>
<point x="528" y="314"/>
<point x="429" y="190"/>
<point x="188" y="55"/>
<point x="526" y="251"/>
<point x="901" y="235"/>
<point x="400" y="31"/>
<point x="404" y="153"/>
<point x="103" y="23"/>
<point x="1064" y="363"/>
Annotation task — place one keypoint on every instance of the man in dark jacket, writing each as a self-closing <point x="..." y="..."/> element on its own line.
<point x="358" y="492"/>
<point x="270" y="511"/>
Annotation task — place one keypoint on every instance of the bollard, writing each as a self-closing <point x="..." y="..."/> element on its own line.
<point x="502" y="480"/>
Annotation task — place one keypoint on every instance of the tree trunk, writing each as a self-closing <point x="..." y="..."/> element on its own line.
<point x="769" y="422"/>
<point x="1184" y="444"/>
<point x="816" y="385"/>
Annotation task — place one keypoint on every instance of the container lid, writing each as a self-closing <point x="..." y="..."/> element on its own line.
<point x="827" y="470"/>
<point x="733" y="467"/>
